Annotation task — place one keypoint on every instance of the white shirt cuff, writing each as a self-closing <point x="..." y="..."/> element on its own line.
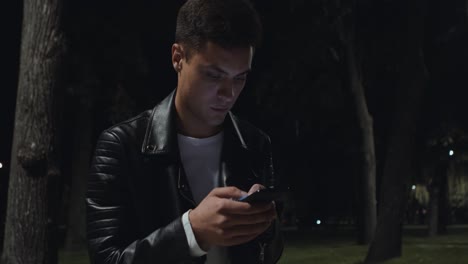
<point x="195" y="250"/>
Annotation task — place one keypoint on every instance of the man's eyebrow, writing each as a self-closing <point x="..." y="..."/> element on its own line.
<point x="218" y="69"/>
<point x="244" y="72"/>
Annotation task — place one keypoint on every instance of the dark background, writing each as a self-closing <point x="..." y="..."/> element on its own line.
<point x="118" y="64"/>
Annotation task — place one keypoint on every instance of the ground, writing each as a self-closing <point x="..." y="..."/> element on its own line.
<point x="337" y="245"/>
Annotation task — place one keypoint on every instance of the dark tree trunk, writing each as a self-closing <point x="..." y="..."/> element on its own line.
<point x="33" y="174"/>
<point x="367" y="190"/>
<point x="433" y="210"/>
<point x="410" y="79"/>
<point x="444" y="211"/>
<point x="367" y="212"/>
<point x="438" y="205"/>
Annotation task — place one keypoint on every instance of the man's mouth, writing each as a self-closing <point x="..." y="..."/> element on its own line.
<point x="220" y="109"/>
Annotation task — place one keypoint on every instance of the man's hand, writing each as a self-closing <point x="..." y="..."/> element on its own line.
<point x="221" y="220"/>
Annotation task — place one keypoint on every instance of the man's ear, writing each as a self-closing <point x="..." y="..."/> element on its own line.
<point x="177" y="56"/>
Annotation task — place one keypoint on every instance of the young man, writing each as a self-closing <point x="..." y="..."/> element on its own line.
<point x="164" y="185"/>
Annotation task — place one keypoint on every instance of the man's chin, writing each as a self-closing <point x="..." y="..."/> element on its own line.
<point x="217" y="120"/>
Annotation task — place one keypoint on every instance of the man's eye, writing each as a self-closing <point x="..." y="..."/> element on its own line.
<point x="240" y="79"/>
<point x="213" y="76"/>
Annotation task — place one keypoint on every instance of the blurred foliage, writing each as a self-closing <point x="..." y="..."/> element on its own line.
<point x="421" y="194"/>
<point x="458" y="186"/>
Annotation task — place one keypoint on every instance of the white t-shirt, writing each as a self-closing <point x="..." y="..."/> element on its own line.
<point x="201" y="161"/>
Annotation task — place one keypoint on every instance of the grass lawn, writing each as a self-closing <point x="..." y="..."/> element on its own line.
<point x="337" y="246"/>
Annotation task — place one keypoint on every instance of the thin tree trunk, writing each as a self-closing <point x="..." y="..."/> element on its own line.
<point x="438" y="205"/>
<point x="411" y="81"/>
<point x="433" y="211"/>
<point x="367" y="218"/>
<point x="367" y="190"/>
<point x="444" y="211"/>
<point x="28" y="238"/>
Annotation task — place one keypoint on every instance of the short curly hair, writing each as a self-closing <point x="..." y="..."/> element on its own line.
<point x="227" y="23"/>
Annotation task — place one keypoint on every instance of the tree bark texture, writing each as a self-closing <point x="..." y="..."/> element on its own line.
<point x="410" y="80"/>
<point x="33" y="168"/>
<point x="367" y="213"/>
<point x="439" y="207"/>
<point x="433" y="211"/>
<point x="367" y="181"/>
<point x="444" y="210"/>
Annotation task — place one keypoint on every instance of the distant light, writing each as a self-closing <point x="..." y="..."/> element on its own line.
<point x="318" y="222"/>
<point x="413" y="187"/>
<point x="1" y="165"/>
<point x="451" y="153"/>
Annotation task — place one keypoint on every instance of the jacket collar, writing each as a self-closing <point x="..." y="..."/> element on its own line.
<point x="161" y="133"/>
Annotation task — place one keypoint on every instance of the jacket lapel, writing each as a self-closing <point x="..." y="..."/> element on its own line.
<point x="161" y="133"/>
<point x="236" y="157"/>
<point x="160" y="143"/>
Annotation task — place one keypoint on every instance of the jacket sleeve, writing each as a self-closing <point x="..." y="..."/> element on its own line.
<point x="111" y="230"/>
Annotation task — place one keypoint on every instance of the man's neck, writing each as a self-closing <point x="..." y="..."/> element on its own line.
<point x="196" y="131"/>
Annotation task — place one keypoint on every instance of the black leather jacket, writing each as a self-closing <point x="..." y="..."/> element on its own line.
<point x="137" y="191"/>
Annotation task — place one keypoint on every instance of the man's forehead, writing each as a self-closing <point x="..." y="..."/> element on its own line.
<point x="210" y="47"/>
<point x="225" y="59"/>
<point x="217" y="68"/>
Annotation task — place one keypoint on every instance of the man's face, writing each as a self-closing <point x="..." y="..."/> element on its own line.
<point x="209" y="84"/>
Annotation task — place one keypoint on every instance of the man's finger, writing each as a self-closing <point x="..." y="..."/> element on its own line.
<point x="234" y="207"/>
<point x="237" y="220"/>
<point x="230" y="192"/>
<point x="255" y="188"/>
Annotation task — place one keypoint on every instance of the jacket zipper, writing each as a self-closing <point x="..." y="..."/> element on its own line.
<point x="261" y="256"/>
<point x="181" y="190"/>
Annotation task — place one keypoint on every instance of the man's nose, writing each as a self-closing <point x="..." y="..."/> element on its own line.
<point x="226" y="91"/>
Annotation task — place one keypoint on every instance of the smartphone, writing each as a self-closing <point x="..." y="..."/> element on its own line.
<point x="263" y="196"/>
